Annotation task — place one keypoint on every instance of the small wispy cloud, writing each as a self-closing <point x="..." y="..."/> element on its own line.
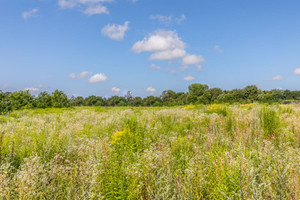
<point x="116" y="90"/>
<point x="218" y="49"/>
<point x="151" y="90"/>
<point x="96" y="10"/>
<point x="171" y="71"/>
<point x="79" y="76"/>
<point x="276" y="78"/>
<point x="88" y="7"/>
<point x="153" y="66"/>
<point x="168" y="19"/>
<point x="115" y="32"/>
<point x="30" y="13"/>
<point x="297" y="71"/>
<point x="32" y="89"/>
<point x="189" y="78"/>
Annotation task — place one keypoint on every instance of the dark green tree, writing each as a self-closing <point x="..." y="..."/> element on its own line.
<point x="59" y="99"/>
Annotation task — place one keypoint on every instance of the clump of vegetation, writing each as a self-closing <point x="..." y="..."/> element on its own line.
<point x="217" y="108"/>
<point x="270" y="121"/>
<point x="216" y="152"/>
<point x="189" y="107"/>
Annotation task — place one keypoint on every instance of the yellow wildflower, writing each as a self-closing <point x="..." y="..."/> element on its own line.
<point x="116" y="137"/>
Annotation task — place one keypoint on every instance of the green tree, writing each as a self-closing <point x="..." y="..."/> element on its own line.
<point x="152" y="101"/>
<point x="117" y="101"/>
<point x="59" y="99"/>
<point x="195" y="91"/>
<point x="137" y="101"/>
<point x="20" y="100"/>
<point x="168" y="97"/>
<point x="43" y="100"/>
<point x="251" y="93"/>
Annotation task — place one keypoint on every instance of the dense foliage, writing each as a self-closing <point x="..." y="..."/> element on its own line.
<point x="197" y="94"/>
<point x="218" y="151"/>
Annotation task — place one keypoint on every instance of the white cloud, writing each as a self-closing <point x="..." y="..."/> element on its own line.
<point x="192" y="60"/>
<point x="164" y="45"/>
<point x="153" y="66"/>
<point x="181" y="19"/>
<point x="163" y="19"/>
<point x="168" y="54"/>
<point x="88" y="7"/>
<point x="297" y="71"/>
<point x="189" y="78"/>
<point x="30" y="13"/>
<point x="116" y="90"/>
<point x="97" y="78"/>
<point x="73" y="76"/>
<point x="276" y="78"/>
<point x="32" y="89"/>
<point x="79" y="76"/>
<point x="218" y="49"/>
<point x="168" y="19"/>
<point x="115" y="32"/>
<point x="151" y="90"/>
<point x="97" y="9"/>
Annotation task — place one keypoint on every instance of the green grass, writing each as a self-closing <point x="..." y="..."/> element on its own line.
<point x="200" y="152"/>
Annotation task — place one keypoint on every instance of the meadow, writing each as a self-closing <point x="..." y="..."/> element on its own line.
<point x="217" y="151"/>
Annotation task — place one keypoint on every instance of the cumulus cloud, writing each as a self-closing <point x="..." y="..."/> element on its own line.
<point x="94" y="10"/>
<point x="30" y="13"/>
<point x="168" y="19"/>
<point x="297" y="71"/>
<point x="98" y="78"/>
<point x="189" y="78"/>
<point x="192" y="60"/>
<point x="79" y="76"/>
<point x="151" y="90"/>
<point x="218" y="49"/>
<point x="116" y="90"/>
<point x="88" y="7"/>
<point x="115" y="32"/>
<point x="153" y="66"/>
<point x="164" y="45"/>
<point x="276" y="78"/>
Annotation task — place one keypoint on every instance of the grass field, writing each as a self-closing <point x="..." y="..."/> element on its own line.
<point x="193" y="152"/>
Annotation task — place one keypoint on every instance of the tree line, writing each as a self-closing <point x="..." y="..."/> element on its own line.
<point x="197" y="94"/>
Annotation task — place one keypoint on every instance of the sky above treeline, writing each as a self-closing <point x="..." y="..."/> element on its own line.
<point x="109" y="47"/>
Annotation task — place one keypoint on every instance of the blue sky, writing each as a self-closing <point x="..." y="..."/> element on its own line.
<point x="107" y="47"/>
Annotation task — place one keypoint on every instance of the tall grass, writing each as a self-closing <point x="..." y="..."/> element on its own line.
<point x="215" y="152"/>
<point x="270" y="121"/>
